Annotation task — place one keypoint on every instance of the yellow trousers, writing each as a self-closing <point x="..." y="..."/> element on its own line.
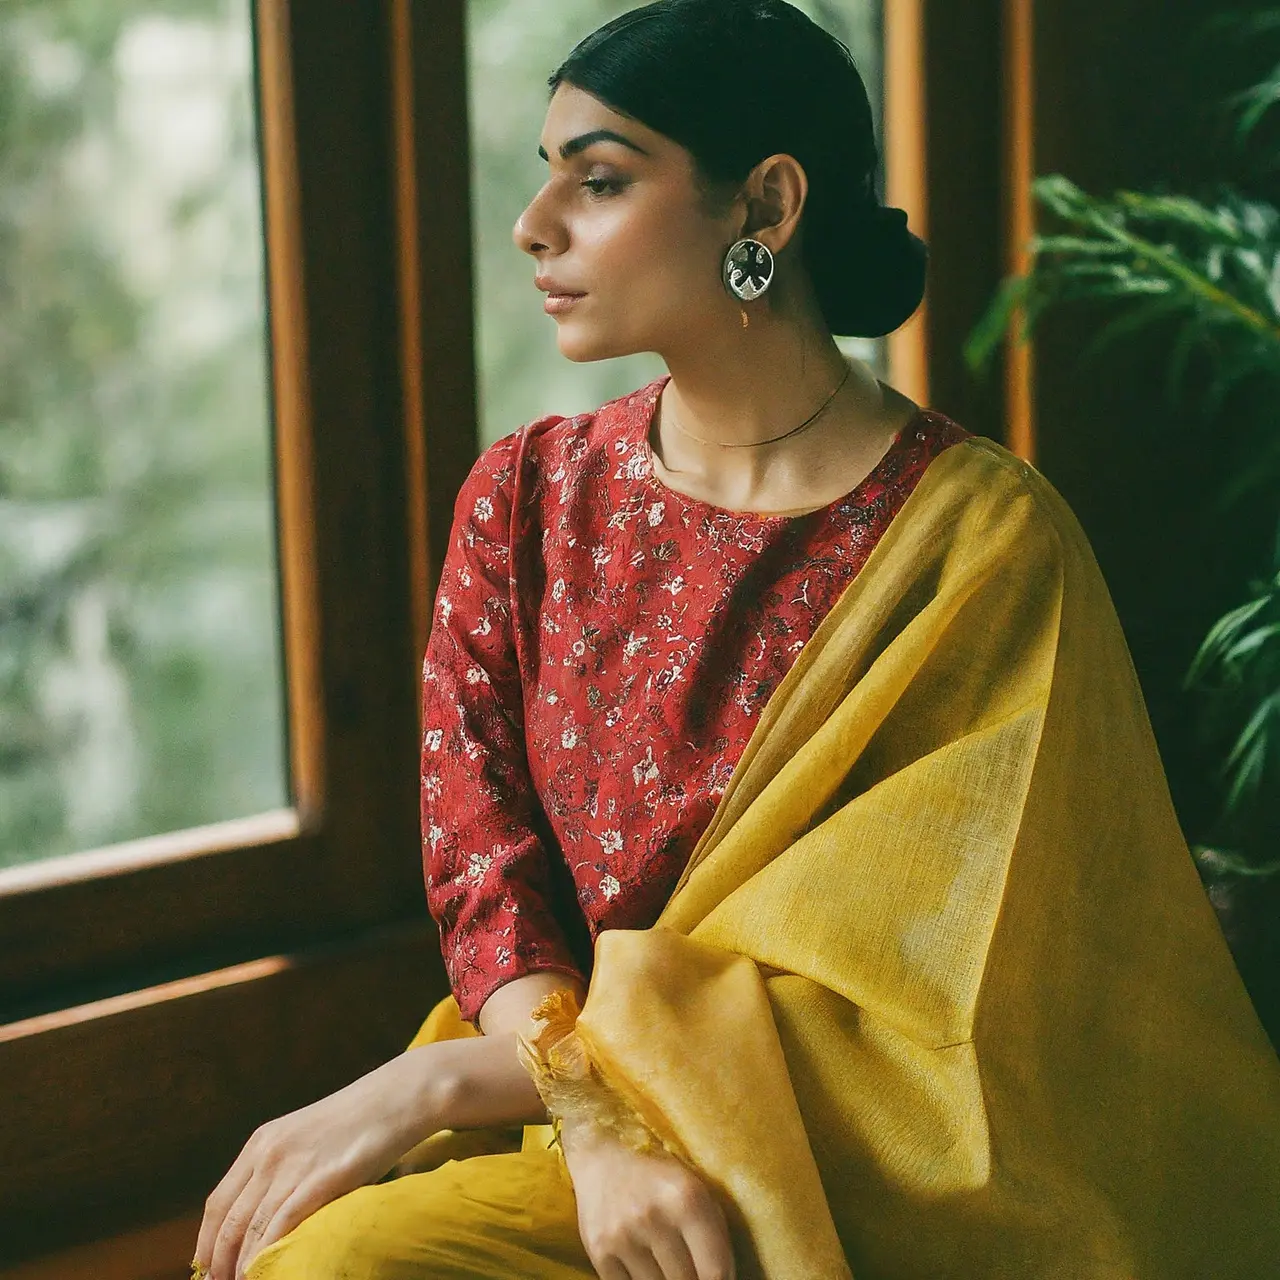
<point x="491" y="1203"/>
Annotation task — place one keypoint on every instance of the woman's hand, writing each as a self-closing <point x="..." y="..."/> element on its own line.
<point x="645" y="1217"/>
<point x="292" y="1166"/>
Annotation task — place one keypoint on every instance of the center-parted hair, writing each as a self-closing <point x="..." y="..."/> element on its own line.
<point x="734" y="81"/>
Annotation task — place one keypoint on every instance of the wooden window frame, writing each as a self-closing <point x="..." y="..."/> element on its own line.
<point x="160" y="999"/>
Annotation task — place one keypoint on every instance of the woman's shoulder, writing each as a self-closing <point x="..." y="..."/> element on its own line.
<point x="555" y="452"/>
<point x="979" y="485"/>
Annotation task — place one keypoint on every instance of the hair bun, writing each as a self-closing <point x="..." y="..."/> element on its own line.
<point x="878" y="283"/>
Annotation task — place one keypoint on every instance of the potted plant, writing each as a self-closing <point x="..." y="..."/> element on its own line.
<point x="1207" y="270"/>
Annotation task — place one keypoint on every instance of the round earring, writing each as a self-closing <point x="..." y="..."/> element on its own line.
<point x="748" y="269"/>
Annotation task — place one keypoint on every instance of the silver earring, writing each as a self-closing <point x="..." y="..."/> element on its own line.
<point x="748" y="269"/>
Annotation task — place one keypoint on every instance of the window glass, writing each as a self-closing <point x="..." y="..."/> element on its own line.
<point x="140" y="676"/>
<point x="514" y="45"/>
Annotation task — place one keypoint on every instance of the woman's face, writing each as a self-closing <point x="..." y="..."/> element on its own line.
<point x="620" y="221"/>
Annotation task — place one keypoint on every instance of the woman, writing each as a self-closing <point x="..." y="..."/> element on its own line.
<point x="790" y="726"/>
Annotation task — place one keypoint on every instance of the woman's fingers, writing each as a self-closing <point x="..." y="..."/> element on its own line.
<point x="226" y="1248"/>
<point x="220" y="1200"/>
<point x="706" y="1235"/>
<point x="638" y="1264"/>
<point x="258" y="1234"/>
<point x="292" y="1210"/>
<point x="672" y="1257"/>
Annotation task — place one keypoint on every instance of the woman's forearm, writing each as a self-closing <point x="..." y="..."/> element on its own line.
<point x="480" y="1082"/>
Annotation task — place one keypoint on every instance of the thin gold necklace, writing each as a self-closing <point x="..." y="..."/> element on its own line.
<point x="749" y="444"/>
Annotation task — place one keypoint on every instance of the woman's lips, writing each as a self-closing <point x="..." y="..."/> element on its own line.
<point x="558" y="302"/>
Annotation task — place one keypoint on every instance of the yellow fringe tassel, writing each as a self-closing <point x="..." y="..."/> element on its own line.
<point x="571" y="1085"/>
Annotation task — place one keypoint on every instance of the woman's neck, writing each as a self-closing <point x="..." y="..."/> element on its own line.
<point x="756" y="386"/>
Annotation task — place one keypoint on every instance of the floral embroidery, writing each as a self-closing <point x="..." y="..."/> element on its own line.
<point x="600" y="653"/>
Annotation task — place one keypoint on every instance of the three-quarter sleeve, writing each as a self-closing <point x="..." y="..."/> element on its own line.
<point x="491" y="886"/>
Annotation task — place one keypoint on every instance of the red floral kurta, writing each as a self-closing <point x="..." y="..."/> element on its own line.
<point x="601" y="648"/>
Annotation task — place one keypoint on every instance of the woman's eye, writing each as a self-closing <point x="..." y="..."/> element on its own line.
<point x="600" y="186"/>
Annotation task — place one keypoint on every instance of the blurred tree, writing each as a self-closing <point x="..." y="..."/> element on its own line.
<point x="139" y="672"/>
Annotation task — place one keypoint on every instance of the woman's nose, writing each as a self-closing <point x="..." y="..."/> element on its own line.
<point x="536" y="229"/>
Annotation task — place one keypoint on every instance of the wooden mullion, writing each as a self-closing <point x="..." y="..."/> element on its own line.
<point x="433" y="187"/>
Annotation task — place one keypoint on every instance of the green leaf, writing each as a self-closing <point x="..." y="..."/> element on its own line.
<point x="1251" y="643"/>
<point x="987" y="335"/>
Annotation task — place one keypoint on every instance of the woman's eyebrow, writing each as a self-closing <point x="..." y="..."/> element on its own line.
<point x="584" y="140"/>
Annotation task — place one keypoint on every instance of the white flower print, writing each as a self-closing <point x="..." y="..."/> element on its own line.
<point x="633" y="645"/>
<point x="477" y="867"/>
<point x="646" y="770"/>
<point x="656" y="512"/>
<point x="569" y="738"/>
<point x="483" y="627"/>
<point x="609" y="887"/>
<point x="446" y="608"/>
<point x="483" y="509"/>
<point x="433" y="738"/>
<point x="674" y="585"/>
<point x="557" y="590"/>
<point x="477" y="675"/>
<point x="502" y="956"/>
<point x="465" y="577"/>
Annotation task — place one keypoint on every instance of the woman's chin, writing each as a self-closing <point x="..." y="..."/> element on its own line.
<point x="582" y="344"/>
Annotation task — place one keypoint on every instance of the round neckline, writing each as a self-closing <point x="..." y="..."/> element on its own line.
<point x="649" y="473"/>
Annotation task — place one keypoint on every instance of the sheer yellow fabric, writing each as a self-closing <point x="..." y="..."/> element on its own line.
<point x="939" y="993"/>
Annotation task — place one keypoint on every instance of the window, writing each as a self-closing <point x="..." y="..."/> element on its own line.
<point x="161" y="996"/>
<point x="140" y="681"/>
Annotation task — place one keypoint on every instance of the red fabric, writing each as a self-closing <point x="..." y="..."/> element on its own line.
<point x="600" y="650"/>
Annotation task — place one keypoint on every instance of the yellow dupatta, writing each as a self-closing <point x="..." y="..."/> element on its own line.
<point x="939" y="993"/>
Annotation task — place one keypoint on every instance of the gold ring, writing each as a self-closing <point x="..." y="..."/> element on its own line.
<point x="198" y="1270"/>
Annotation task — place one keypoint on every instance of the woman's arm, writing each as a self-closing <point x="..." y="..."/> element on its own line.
<point x="293" y="1165"/>
<point x="481" y="1083"/>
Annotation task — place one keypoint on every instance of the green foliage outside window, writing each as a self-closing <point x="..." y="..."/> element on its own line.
<point x="139" y="673"/>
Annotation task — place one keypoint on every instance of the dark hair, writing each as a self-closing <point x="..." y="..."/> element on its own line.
<point x="734" y="81"/>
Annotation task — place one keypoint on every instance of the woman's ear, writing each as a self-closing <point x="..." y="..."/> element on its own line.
<point x="776" y="190"/>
